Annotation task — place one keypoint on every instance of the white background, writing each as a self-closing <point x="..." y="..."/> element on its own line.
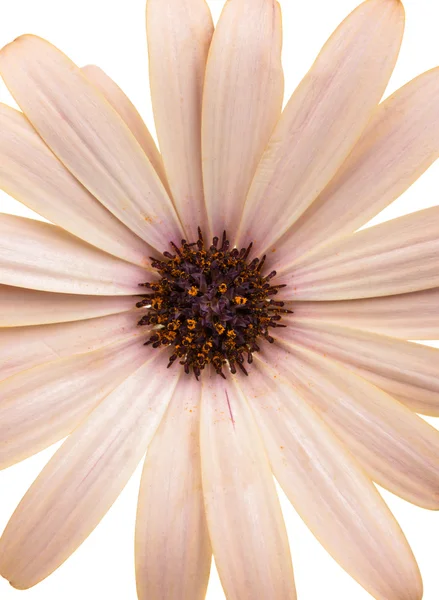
<point x="111" y="34"/>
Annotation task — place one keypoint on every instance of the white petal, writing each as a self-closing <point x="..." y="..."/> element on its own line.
<point x="399" y="144"/>
<point x="245" y="522"/>
<point x="241" y="105"/>
<point x="173" y="553"/>
<point x="42" y="405"/>
<point x="396" y="257"/>
<point x="25" y="347"/>
<point x="330" y="492"/>
<point x="44" y="257"/>
<point x="407" y="371"/>
<point x="89" y="137"/>
<point x="179" y="35"/>
<point x="19" y="306"/>
<point x="126" y="109"/>
<point x="408" y="316"/>
<point x="323" y="120"/>
<point x="34" y="176"/>
<point x="85" y="476"/>
<point x="397" y="449"/>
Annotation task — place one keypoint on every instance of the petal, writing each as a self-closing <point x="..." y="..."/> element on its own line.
<point x="408" y="316"/>
<point x="241" y="105"/>
<point x="179" y="35"/>
<point x="330" y="492"/>
<point x="407" y="371"/>
<point x="397" y="449"/>
<point x="20" y="307"/>
<point x="85" y="476"/>
<point x="130" y="115"/>
<point x="395" y="257"/>
<point x="25" y="347"/>
<point x="42" y="405"/>
<point x="173" y="553"/>
<point x="34" y="176"/>
<point x="245" y="522"/>
<point x="44" y="257"/>
<point x="323" y="120"/>
<point x="399" y="144"/>
<point x="88" y="136"/>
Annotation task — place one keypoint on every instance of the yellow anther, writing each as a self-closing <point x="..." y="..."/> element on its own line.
<point x="193" y="291"/>
<point x="191" y="323"/>
<point x="240" y="300"/>
<point x="220" y="328"/>
<point x="222" y="288"/>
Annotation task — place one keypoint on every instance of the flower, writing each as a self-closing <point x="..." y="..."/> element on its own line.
<point x="327" y="407"/>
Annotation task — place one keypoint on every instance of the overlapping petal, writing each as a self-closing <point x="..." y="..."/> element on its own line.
<point x="85" y="476"/>
<point x="173" y="553"/>
<point x="396" y="257"/>
<point x="241" y="105"/>
<point x="406" y="370"/>
<point x="89" y="137"/>
<point x="32" y="174"/>
<point x="329" y="490"/>
<point x="399" y="144"/>
<point x="40" y="406"/>
<point x="179" y="35"/>
<point x="323" y="120"/>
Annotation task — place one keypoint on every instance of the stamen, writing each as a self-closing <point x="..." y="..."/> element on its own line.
<point x="210" y="306"/>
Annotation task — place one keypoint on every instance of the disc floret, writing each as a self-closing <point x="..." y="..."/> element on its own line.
<point x="211" y="306"/>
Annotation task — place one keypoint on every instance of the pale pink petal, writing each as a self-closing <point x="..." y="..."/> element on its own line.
<point x="19" y="306"/>
<point x="179" y="35"/>
<point x="42" y="405"/>
<point x="25" y="347"/>
<point x="129" y="113"/>
<point x="85" y="476"/>
<point x="323" y="120"/>
<point x="245" y="522"/>
<point x="326" y="486"/>
<point x="399" y="144"/>
<point x="398" y="449"/>
<point x="407" y="371"/>
<point x="43" y="257"/>
<point x="408" y="316"/>
<point x="241" y="105"/>
<point x="396" y="257"/>
<point x="34" y="176"/>
<point x="89" y="137"/>
<point x="173" y="553"/>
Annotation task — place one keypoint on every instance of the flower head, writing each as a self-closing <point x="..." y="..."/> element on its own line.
<point x="118" y="320"/>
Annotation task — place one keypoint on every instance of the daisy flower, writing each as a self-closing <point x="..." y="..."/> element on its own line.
<point x="215" y="307"/>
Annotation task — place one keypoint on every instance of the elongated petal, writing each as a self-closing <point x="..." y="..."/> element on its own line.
<point x="19" y="307"/>
<point x="408" y="316"/>
<point x="241" y="105"/>
<point x="32" y="174"/>
<point x="398" y="449"/>
<point x="85" y="476"/>
<point x="323" y="120"/>
<point x="42" y="405"/>
<point x="25" y="347"/>
<point x="44" y="257"/>
<point x="330" y="492"/>
<point x="399" y="144"/>
<point x="245" y="522"/>
<point x="88" y="136"/>
<point x="129" y="113"/>
<point x="396" y="257"/>
<point x="173" y="553"/>
<point x="179" y="35"/>
<point x="407" y="371"/>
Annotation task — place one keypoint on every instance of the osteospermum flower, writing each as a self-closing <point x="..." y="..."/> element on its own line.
<point x="278" y="347"/>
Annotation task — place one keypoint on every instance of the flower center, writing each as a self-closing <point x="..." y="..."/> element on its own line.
<point x="211" y="306"/>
